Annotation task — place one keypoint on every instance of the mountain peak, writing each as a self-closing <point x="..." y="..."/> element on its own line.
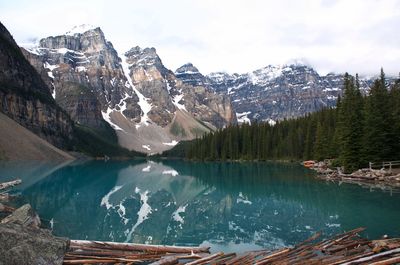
<point x="80" y="29"/>
<point x="187" y="68"/>
<point x="138" y="50"/>
<point x="298" y="62"/>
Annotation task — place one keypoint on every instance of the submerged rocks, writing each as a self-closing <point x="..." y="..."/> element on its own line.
<point x="21" y="245"/>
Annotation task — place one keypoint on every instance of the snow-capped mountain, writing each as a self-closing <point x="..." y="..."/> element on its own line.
<point x="151" y="108"/>
<point x="278" y="92"/>
<point x="133" y="92"/>
<point x="274" y="92"/>
<point x="85" y="74"/>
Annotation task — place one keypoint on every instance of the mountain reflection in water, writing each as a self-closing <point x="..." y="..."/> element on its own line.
<point x="231" y="206"/>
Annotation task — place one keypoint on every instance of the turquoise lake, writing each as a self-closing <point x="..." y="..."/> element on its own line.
<point x="229" y="206"/>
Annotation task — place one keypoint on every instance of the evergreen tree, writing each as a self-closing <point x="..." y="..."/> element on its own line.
<point x="395" y="109"/>
<point x="351" y="125"/>
<point x="378" y="130"/>
<point x="321" y="143"/>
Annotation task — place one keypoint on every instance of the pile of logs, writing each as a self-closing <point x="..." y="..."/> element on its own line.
<point x="370" y="178"/>
<point x="346" y="248"/>
<point x="98" y="252"/>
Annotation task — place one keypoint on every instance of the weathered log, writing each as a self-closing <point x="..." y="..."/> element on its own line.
<point x="174" y="259"/>
<point x="119" y="259"/>
<point x="166" y="261"/>
<point x="349" y="259"/>
<point x="370" y="258"/>
<point x="222" y="259"/>
<point x="205" y="259"/>
<point x="394" y="260"/>
<point x="89" y="261"/>
<point x="275" y="254"/>
<point x="10" y="184"/>
<point x="348" y="245"/>
<point x="139" y="247"/>
<point x="237" y="260"/>
<point x="310" y="239"/>
<point x="341" y="237"/>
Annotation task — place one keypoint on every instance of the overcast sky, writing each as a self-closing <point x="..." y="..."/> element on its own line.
<point x="228" y="35"/>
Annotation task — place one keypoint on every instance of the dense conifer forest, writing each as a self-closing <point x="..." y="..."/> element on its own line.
<point x="360" y="129"/>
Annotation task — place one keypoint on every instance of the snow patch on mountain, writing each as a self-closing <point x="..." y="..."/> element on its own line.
<point x="146" y="146"/>
<point x="176" y="101"/>
<point x="173" y="143"/>
<point x="242" y="117"/>
<point x="80" y="29"/>
<point x="145" y="106"/>
<point x="270" y="122"/>
<point x="107" y="118"/>
<point x="264" y="75"/>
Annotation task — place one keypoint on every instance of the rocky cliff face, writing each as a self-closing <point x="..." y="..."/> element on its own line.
<point x="25" y="98"/>
<point x="189" y="74"/>
<point x="167" y="92"/>
<point x="277" y="92"/>
<point x="147" y="105"/>
<point x="85" y="73"/>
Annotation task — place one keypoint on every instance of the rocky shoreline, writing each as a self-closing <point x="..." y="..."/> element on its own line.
<point x="384" y="179"/>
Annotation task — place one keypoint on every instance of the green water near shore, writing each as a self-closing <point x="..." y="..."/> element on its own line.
<point x="230" y="206"/>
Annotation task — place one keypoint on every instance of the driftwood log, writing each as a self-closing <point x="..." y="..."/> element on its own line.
<point x="137" y="247"/>
<point x="9" y="184"/>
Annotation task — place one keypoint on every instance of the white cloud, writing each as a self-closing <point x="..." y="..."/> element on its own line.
<point x="236" y="36"/>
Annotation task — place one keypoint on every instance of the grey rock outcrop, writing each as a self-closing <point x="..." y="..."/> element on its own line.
<point x="24" y="216"/>
<point x="21" y="245"/>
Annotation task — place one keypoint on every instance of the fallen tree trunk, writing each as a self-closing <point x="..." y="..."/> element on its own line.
<point x="138" y="247"/>
<point x="10" y="184"/>
<point x="166" y="261"/>
<point x="394" y="260"/>
<point x="205" y="259"/>
<point x="370" y="258"/>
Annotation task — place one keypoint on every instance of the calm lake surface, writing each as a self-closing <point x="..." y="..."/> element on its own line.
<point x="230" y="206"/>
